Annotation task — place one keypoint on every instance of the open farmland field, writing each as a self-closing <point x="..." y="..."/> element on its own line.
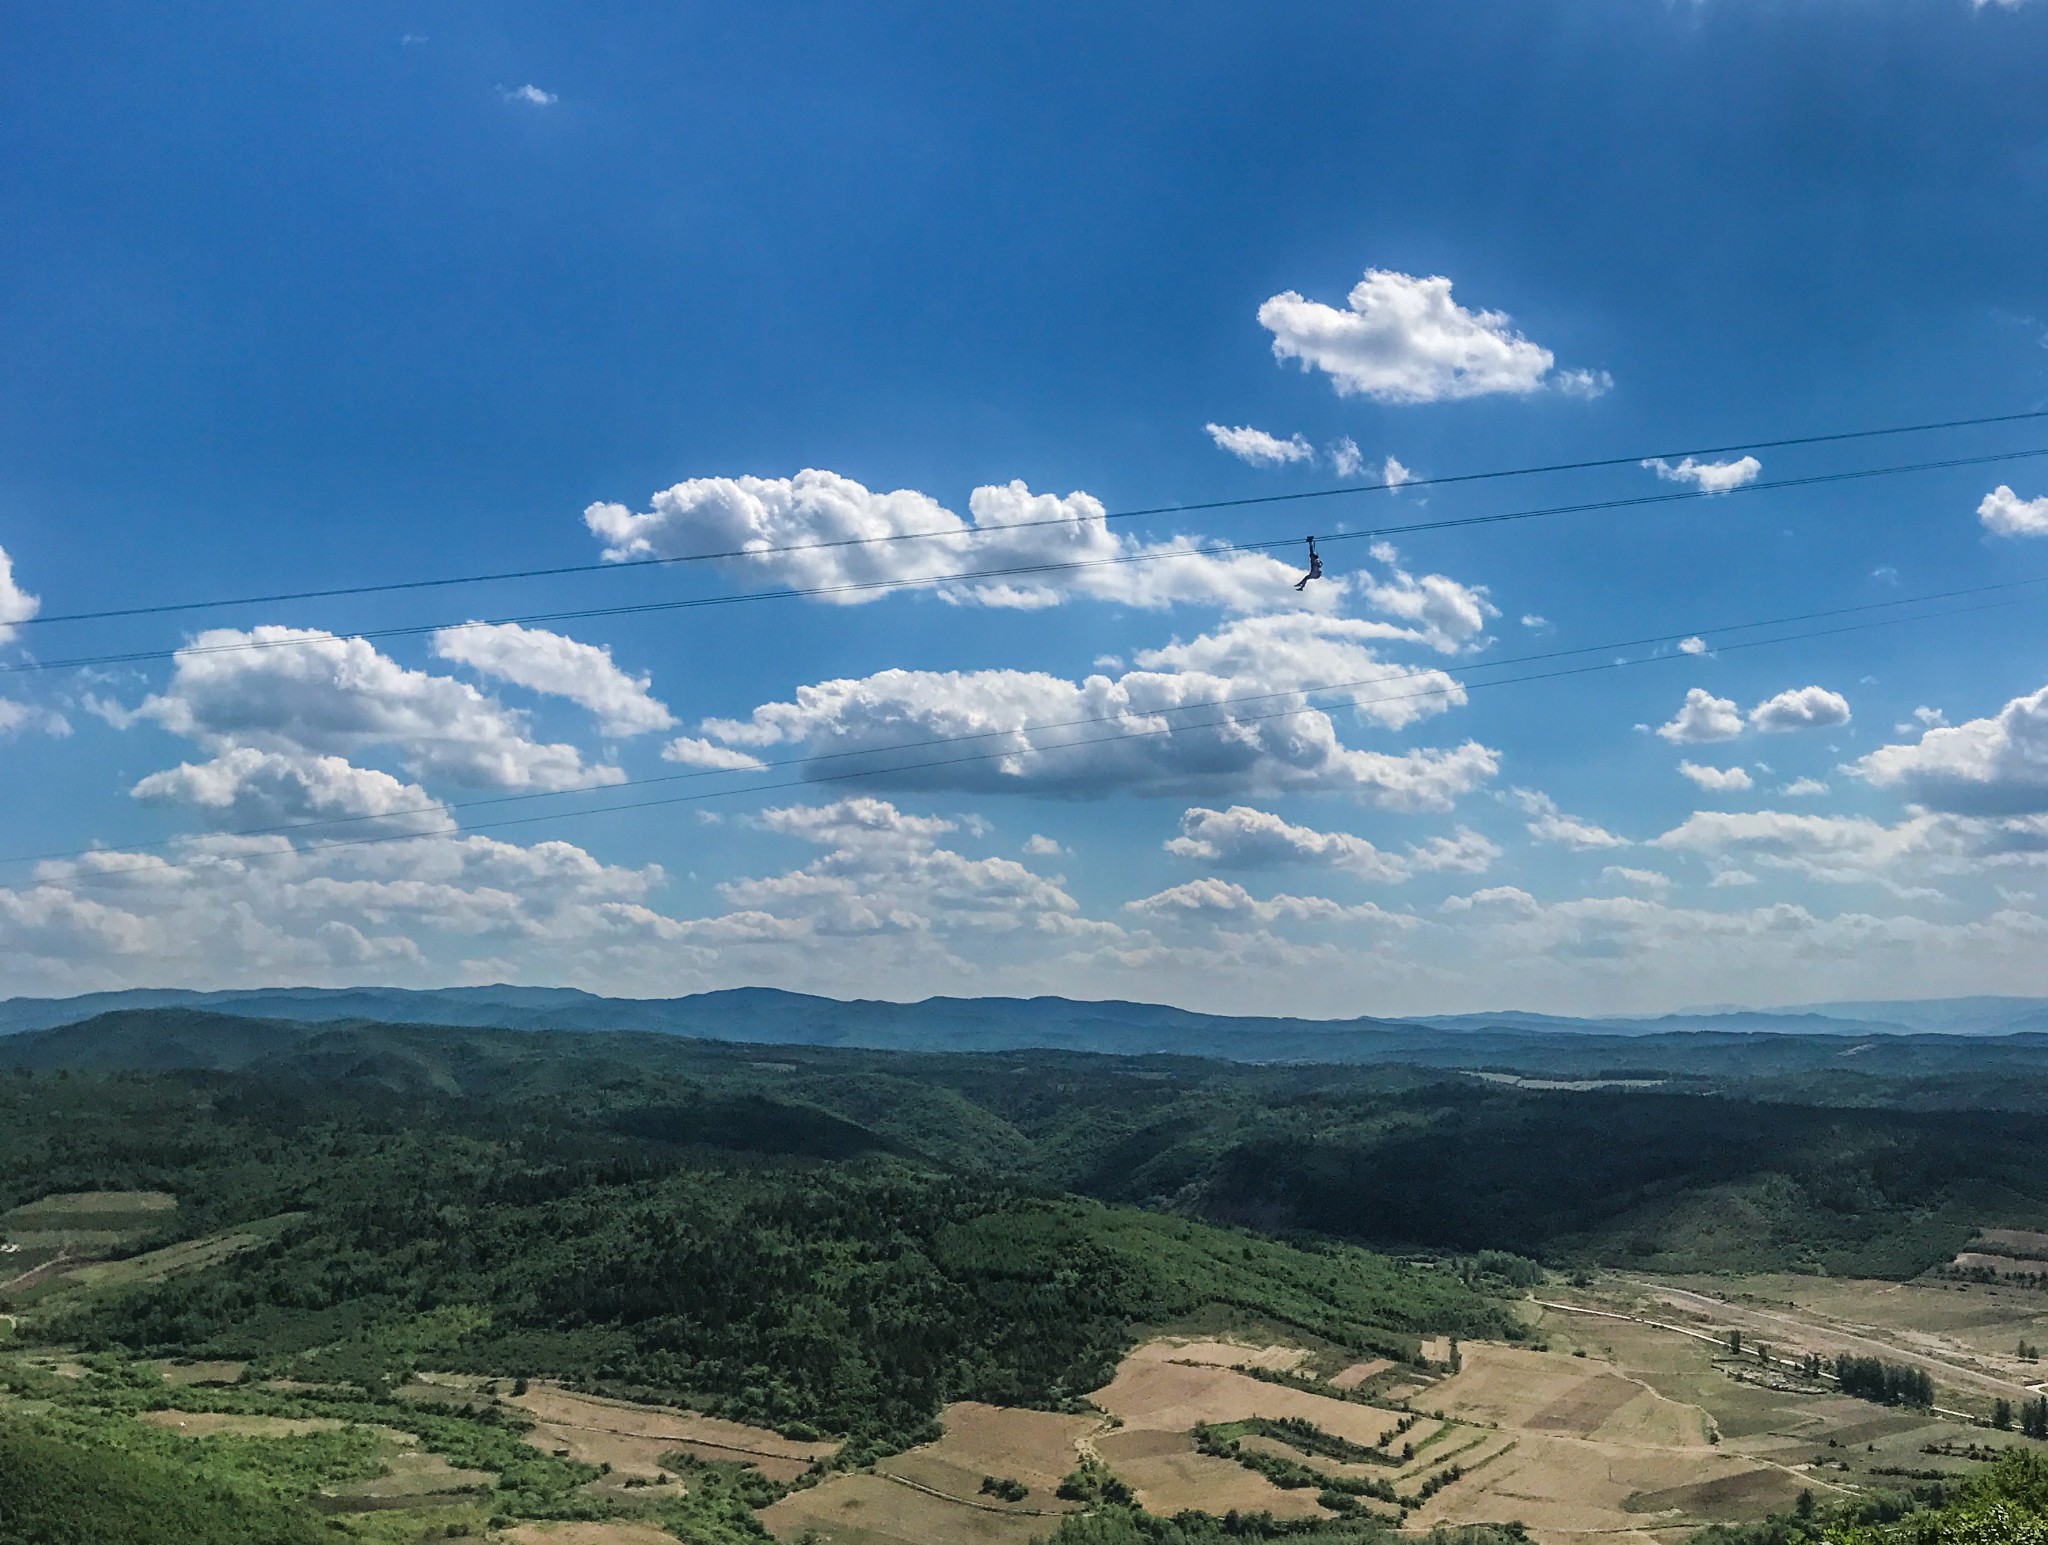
<point x="1037" y="1448"/>
<point x="213" y="1424"/>
<point x="1170" y="1476"/>
<point x="119" y="1211"/>
<point x="633" y="1439"/>
<point x="1155" y="1391"/>
<point x="184" y="1375"/>
<point x="879" y="1510"/>
<point x="615" y="1532"/>
<point x="1965" y="1335"/>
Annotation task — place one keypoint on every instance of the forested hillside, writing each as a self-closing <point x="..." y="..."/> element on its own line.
<point x="1393" y="1156"/>
<point x="760" y="1256"/>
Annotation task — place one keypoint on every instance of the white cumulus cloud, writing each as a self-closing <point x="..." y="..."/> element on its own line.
<point x="1801" y="708"/>
<point x="1714" y="477"/>
<point x="2007" y="514"/>
<point x="1701" y="718"/>
<point x="692" y="751"/>
<point x="1259" y="448"/>
<point x="16" y="604"/>
<point x="1717" y="780"/>
<point x="549" y="663"/>
<point x="1997" y="765"/>
<point x="1402" y="338"/>
<point x="1213" y="900"/>
<point x="1642" y="879"/>
<point x="250" y="789"/>
<point x="1244" y="838"/>
<point x="821" y="531"/>
<point x="1549" y="824"/>
<point x="297" y="690"/>
<point x="1132" y="731"/>
<point x="531" y="95"/>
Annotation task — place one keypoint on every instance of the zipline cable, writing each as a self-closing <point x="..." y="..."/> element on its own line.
<point x="303" y="639"/>
<point x="977" y="532"/>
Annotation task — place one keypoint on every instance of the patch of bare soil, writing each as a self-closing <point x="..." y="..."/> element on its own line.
<point x="633" y="1439"/>
<point x="1358" y="1373"/>
<point x="208" y="1424"/>
<point x="184" y="1375"/>
<point x="881" y="1510"/>
<point x="1037" y="1448"/>
<point x="1149" y="1392"/>
<point x="612" y="1533"/>
<point x="1170" y="1476"/>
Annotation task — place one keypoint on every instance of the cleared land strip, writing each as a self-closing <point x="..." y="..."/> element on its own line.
<point x="976" y="1503"/>
<point x="1820" y="1325"/>
<point x="1721" y="1341"/>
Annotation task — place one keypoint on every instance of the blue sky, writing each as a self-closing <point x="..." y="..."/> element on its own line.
<point x="309" y="297"/>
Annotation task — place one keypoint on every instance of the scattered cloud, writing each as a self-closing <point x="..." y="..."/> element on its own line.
<point x="1244" y="838"/>
<point x="1584" y="384"/>
<point x="16" y="604"/>
<point x="1997" y="765"/>
<point x="1642" y="879"/>
<point x="1129" y="732"/>
<point x="693" y="752"/>
<point x="1393" y="474"/>
<point x="1536" y="622"/>
<point x="221" y="911"/>
<point x="1203" y="899"/>
<point x="247" y="789"/>
<point x="1830" y="848"/>
<point x="1464" y="851"/>
<point x="1259" y="448"/>
<point x="819" y="531"/>
<point x="1714" y="477"/>
<point x="558" y="666"/>
<point x="529" y="94"/>
<point x="1346" y="458"/>
<point x="1404" y="339"/>
<point x="2007" y="514"/>
<point x="1802" y="708"/>
<point x="1717" y="780"/>
<point x="1702" y="718"/>
<point x="297" y="690"/>
<point x="1038" y="846"/>
<point x="1803" y="788"/>
<point x="1693" y="645"/>
<point x="16" y="717"/>
<point x="1550" y="824"/>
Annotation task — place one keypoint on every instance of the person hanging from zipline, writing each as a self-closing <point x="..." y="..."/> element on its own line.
<point x="1315" y="566"/>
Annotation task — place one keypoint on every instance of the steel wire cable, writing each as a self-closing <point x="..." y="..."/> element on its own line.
<point x="307" y="638"/>
<point x="1196" y="507"/>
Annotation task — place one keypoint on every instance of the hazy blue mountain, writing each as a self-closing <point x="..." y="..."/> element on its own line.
<point x="992" y="1024"/>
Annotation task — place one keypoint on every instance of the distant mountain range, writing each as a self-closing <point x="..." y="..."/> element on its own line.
<point x="760" y="1014"/>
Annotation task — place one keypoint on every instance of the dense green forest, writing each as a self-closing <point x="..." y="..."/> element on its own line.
<point x="1398" y="1157"/>
<point x="521" y="1206"/>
